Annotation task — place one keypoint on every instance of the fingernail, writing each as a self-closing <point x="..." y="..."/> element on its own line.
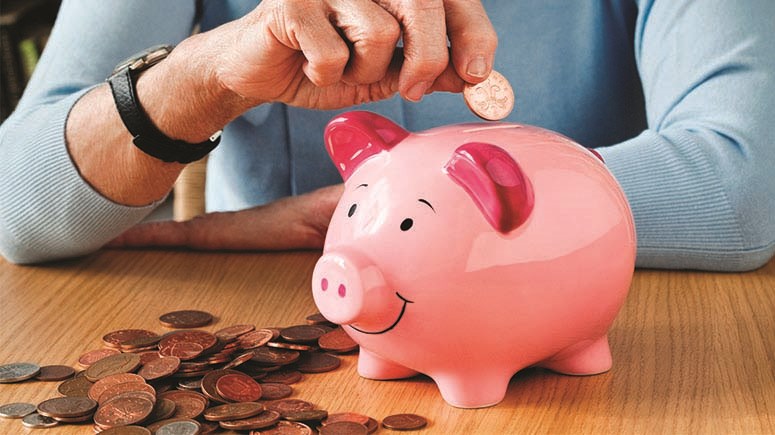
<point x="417" y="91"/>
<point x="477" y="67"/>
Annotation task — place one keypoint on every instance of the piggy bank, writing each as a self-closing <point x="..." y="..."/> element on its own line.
<point x="469" y="252"/>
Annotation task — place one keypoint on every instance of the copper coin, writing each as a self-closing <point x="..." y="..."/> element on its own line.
<point x="76" y="387"/>
<point x="202" y="338"/>
<point x="140" y="342"/>
<point x="238" y="387"/>
<point x="255" y="339"/>
<point x="318" y="319"/>
<point x="343" y="428"/>
<point x="315" y="415"/>
<point x="286" y="377"/>
<point x="232" y="332"/>
<point x="404" y="422"/>
<point x="148" y="356"/>
<point x="209" y="382"/>
<point x="126" y="430"/>
<point x="160" y="368"/>
<point x="55" y="373"/>
<point x="275" y="391"/>
<point x="37" y="421"/>
<point x="291" y="346"/>
<point x="190" y="384"/>
<point x="209" y="427"/>
<point x="79" y="419"/>
<point x="233" y="411"/>
<point x="274" y="357"/>
<point x="239" y="360"/>
<point x="337" y="341"/>
<point x="289" y="405"/>
<point x="17" y="372"/>
<point x="93" y="356"/>
<point x="67" y="407"/>
<point x="128" y="387"/>
<point x="186" y="319"/>
<point x="153" y="427"/>
<point x="121" y="363"/>
<point x="318" y="363"/>
<point x="16" y="410"/>
<point x="372" y="425"/>
<point x="304" y="333"/>
<point x="184" y="351"/>
<point x="103" y="384"/>
<point x="114" y="339"/>
<point x="181" y="427"/>
<point x="288" y="428"/>
<point x="347" y="416"/>
<point x="188" y="404"/>
<point x="163" y="409"/>
<point x="260" y="421"/>
<point x="492" y="99"/>
<point x="192" y="366"/>
<point x="194" y="374"/>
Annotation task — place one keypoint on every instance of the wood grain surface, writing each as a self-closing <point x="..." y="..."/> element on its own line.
<point x="693" y="352"/>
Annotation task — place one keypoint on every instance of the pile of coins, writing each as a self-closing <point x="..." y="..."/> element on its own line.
<point x="190" y="381"/>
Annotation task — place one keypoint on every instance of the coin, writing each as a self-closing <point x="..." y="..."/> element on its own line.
<point x="318" y="363"/>
<point x="114" y="339"/>
<point x="67" y="407"/>
<point x="492" y="99"/>
<point x="347" y="416"/>
<point x="55" y="373"/>
<point x="238" y="387"/>
<point x="186" y="319"/>
<point x="163" y="409"/>
<point x="16" y="410"/>
<point x="93" y="356"/>
<point x="404" y="422"/>
<point x="343" y="428"/>
<point x="17" y="372"/>
<point x="188" y="404"/>
<point x="239" y="360"/>
<point x="202" y="338"/>
<point x="209" y="382"/>
<point x="318" y="319"/>
<point x="289" y="405"/>
<point x="315" y="415"/>
<point x="126" y="430"/>
<point x="288" y="428"/>
<point x="269" y="356"/>
<point x="259" y="421"/>
<point x="184" y="351"/>
<point x="103" y="384"/>
<point x="123" y="411"/>
<point x="275" y="391"/>
<point x="337" y="341"/>
<point x="291" y="346"/>
<point x="231" y="333"/>
<point x="255" y="339"/>
<point x="76" y="387"/>
<point x="287" y="377"/>
<point x="121" y="363"/>
<point x="181" y="427"/>
<point x="128" y="387"/>
<point x="372" y="425"/>
<point x="37" y="421"/>
<point x="304" y="333"/>
<point x="153" y="427"/>
<point x="233" y="411"/>
<point x="159" y="368"/>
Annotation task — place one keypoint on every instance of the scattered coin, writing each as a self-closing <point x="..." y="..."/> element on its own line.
<point x="269" y="356"/>
<point x="318" y="363"/>
<point x="123" y="411"/>
<point x="347" y="416"/>
<point x="238" y="387"/>
<point x="404" y="422"/>
<point x="337" y="341"/>
<point x="93" y="356"/>
<point x="105" y="383"/>
<point x="186" y="319"/>
<point x="141" y="388"/>
<point x="260" y="421"/>
<point x="160" y="368"/>
<point x="114" y="339"/>
<point x="344" y="428"/>
<point x="182" y="427"/>
<point x="304" y="333"/>
<point x="287" y="377"/>
<point x="67" y="407"/>
<point x="121" y="363"/>
<point x="55" y="373"/>
<point x="188" y="404"/>
<point x="233" y="411"/>
<point x="37" y="421"/>
<point x="288" y="428"/>
<point x="153" y="427"/>
<point x="492" y="99"/>
<point x="76" y="387"/>
<point x="313" y="416"/>
<point x="231" y="333"/>
<point x="126" y="430"/>
<point x="275" y="391"/>
<point x="16" y="410"/>
<point x="289" y="405"/>
<point x="318" y="319"/>
<point x="17" y="372"/>
<point x="255" y="339"/>
<point x="163" y="409"/>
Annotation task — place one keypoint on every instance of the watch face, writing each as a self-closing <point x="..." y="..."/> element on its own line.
<point x="145" y="58"/>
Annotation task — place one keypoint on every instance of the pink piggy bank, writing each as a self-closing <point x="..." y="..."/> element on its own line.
<point x="469" y="252"/>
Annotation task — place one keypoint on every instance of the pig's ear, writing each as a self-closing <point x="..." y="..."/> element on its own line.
<point x="495" y="182"/>
<point x="353" y="137"/>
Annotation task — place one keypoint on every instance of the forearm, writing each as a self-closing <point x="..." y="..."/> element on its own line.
<point x="182" y="97"/>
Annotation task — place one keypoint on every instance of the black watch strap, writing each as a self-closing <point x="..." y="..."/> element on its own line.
<point x="146" y="136"/>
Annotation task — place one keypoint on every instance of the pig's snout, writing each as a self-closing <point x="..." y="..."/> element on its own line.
<point x="348" y="288"/>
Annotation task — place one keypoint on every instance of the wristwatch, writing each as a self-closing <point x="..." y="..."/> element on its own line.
<point x="146" y="135"/>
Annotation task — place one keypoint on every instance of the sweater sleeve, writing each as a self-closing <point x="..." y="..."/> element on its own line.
<point x="47" y="210"/>
<point x="701" y="178"/>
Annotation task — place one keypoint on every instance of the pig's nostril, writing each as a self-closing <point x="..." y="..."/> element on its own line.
<point x="324" y="284"/>
<point x="342" y="290"/>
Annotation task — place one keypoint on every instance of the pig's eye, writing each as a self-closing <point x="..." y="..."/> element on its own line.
<point x="406" y="224"/>
<point x="351" y="212"/>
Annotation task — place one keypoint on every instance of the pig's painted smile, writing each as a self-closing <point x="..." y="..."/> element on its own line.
<point x="400" y="316"/>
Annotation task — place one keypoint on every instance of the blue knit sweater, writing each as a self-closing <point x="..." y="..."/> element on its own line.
<point x="677" y="95"/>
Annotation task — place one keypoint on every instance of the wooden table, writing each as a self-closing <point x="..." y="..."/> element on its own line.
<point x="693" y="352"/>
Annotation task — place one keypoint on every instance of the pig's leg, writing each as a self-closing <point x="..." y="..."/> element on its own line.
<point x="586" y="358"/>
<point x="473" y="390"/>
<point x="371" y="366"/>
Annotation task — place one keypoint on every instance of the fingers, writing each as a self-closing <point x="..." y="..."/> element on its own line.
<point x="325" y="52"/>
<point x="372" y="33"/>
<point x="472" y="39"/>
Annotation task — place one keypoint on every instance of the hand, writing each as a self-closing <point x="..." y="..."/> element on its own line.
<point x="333" y="53"/>
<point x="298" y="222"/>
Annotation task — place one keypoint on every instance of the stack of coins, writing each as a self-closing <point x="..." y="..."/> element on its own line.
<point x="190" y="381"/>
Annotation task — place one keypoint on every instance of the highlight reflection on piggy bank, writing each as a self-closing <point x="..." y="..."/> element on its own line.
<point x="469" y="252"/>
